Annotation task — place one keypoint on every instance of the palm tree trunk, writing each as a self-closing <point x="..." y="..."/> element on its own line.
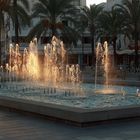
<point x="136" y="51"/>
<point x="92" y="48"/>
<point x="0" y="45"/>
<point x="1" y="26"/>
<point x="114" y="50"/>
<point x="53" y="26"/>
<point x="82" y="51"/>
<point x="16" y="31"/>
<point x="16" y="23"/>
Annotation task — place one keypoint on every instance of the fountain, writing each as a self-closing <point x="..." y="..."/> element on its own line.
<point x="103" y="64"/>
<point x="52" y="70"/>
<point x="38" y="85"/>
<point x="52" y="75"/>
<point x="102" y="60"/>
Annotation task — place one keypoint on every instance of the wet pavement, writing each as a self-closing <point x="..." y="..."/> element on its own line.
<point x="19" y="126"/>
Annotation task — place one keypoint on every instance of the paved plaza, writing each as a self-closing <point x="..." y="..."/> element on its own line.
<point x="17" y="126"/>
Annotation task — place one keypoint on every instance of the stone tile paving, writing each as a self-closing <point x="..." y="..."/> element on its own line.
<point x="15" y="126"/>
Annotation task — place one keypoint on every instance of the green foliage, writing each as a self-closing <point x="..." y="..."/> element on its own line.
<point x="111" y="24"/>
<point x="21" y="12"/>
<point x="4" y="4"/>
<point x="90" y="16"/>
<point x="89" y="20"/>
<point x="53" y="14"/>
<point x="131" y="14"/>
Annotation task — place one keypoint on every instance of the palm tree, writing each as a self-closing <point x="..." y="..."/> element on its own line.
<point x="90" y="17"/>
<point x="3" y="6"/>
<point x="111" y="24"/>
<point x="131" y="12"/>
<point x="18" y="12"/>
<point x="54" y="16"/>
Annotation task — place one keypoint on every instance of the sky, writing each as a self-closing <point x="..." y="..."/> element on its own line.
<point x="89" y="2"/>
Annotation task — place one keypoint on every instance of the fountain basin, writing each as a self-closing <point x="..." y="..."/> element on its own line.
<point x="108" y="91"/>
<point x="80" y="109"/>
<point x="61" y="95"/>
<point x="72" y="115"/>
<point x="81" y="96"/>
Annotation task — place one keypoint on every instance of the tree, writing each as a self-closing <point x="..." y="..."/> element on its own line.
<point x="54" y="17"/>
<point x="4" y="4"/>
<point x="110" y="25"/>
<point x="131" y="14"/>
<point x="90" y="17"/>
<point x="18" y="12"/>
<point x="3" y="7"/>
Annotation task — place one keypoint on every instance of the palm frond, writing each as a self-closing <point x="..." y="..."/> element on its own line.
<point x="37" y="30"/>
<point x="53" y="13"/>
<point x="24" y="3"/>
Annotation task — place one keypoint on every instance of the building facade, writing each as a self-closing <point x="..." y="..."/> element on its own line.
<point x="82" y="53"/>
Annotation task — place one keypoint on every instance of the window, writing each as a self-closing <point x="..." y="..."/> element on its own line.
<point x="86" y="40"/>
<point x="21" y="39"/>
<point x="45" y="39"/>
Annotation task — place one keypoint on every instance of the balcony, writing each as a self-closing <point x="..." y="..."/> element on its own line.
<point x="79" y="50"/>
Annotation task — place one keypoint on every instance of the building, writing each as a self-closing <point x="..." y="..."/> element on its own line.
<point x="81" y="53"/>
